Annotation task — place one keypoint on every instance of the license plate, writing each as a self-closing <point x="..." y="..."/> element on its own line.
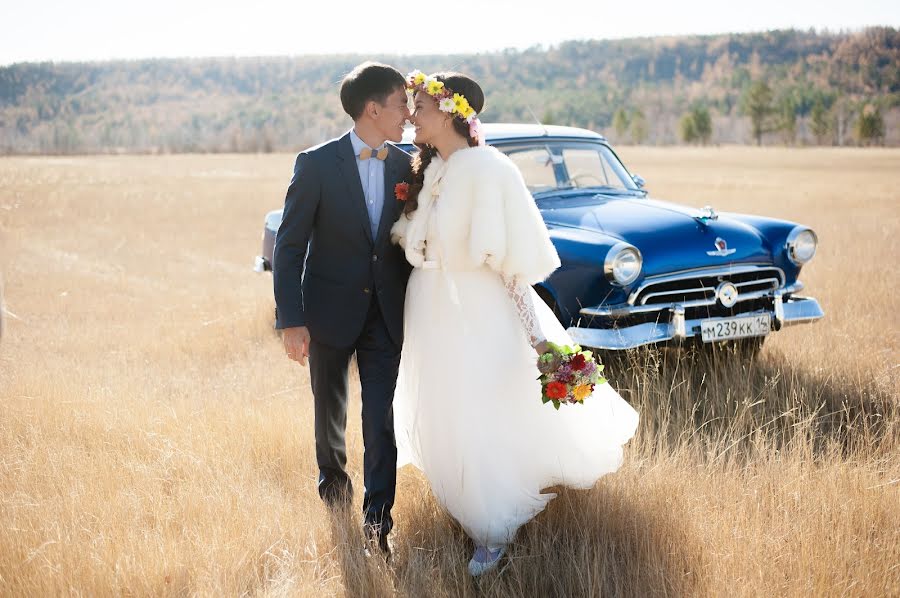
<point x="728" y="328"/>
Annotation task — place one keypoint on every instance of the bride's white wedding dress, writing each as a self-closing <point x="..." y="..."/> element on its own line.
<point x="467" y="409"/>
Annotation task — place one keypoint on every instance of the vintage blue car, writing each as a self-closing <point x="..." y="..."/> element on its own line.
<point x="639" y="271"/>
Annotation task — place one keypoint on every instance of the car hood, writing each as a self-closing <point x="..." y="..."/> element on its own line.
<point x="669" y="236"/>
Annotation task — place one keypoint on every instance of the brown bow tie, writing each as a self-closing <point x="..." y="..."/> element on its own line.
<point x="367" y="153"/>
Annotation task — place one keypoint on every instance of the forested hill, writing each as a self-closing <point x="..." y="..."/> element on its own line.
<point x="793" y="87"/>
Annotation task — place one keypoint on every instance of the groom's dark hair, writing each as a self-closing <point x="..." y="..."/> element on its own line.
<point x="366" y="82"/>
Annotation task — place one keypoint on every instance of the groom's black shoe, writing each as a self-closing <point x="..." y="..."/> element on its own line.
<point x="335" y="491"/>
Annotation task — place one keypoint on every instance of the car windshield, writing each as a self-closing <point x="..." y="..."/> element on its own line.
<point x="559" y="165"/>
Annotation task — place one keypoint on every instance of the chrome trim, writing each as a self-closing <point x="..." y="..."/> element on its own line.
<point x="774" y="282"/>
<point x="261" y="264"/>
<point x="610" y="256"/>
<point x="621" y="311"/>
<point x="701" y="272"/>
<point x="735" y="268"/>
<point x="624" y="310"/>
<point x="676" y="292"/>
<point x="795" y="310"/>
<point x="779" y="310"/>
<point x="801" y="310"/>
<point x="679" y="329"/>
<point x="720" y="251"/>
<point x="792" y="238"/>
<point x="727" y="294"/>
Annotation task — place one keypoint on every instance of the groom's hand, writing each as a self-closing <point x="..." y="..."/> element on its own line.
<point x="296" y="343"/>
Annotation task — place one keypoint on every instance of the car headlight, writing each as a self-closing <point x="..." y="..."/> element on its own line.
<point x="801" y="245"/>
<point x="623" y="264"/>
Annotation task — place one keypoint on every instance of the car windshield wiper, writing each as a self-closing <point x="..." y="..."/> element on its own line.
<point x="610" y="189"/>
<point x="538" y="193"/>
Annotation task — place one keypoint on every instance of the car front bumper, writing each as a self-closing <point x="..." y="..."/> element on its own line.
<point x="787" y="311"/>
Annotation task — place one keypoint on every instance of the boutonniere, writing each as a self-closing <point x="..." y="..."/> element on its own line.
<point x="401" y="191"/>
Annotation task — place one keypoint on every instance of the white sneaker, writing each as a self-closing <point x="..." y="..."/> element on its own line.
<point x="485" y="559"/>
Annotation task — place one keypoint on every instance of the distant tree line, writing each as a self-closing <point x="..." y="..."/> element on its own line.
<point x="786" y="87"/>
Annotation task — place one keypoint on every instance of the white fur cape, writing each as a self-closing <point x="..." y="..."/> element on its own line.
<point x="484" y="215"/>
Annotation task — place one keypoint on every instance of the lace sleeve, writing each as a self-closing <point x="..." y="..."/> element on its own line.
<point x="521" y="297"/>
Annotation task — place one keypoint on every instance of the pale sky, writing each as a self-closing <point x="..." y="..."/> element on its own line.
<point x="67" y="30"/>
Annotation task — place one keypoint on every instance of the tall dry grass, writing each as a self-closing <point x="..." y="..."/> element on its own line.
<point x="154" y="440"/>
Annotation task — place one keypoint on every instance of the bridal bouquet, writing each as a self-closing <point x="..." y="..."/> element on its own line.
<point x="568" y="375"/>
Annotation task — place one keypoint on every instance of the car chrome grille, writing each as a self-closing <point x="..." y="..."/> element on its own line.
<point x="663" y="315"/>
<point x="699" y="287"/>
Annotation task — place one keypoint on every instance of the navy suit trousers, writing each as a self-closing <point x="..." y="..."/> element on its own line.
<point x="378" y="360"/>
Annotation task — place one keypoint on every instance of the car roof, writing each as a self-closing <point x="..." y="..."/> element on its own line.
<point x="494" y="132"/>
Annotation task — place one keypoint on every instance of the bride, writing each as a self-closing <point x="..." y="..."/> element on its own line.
<point x="468" y="408"/>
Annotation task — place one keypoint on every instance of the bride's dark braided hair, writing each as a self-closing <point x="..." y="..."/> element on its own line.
<point x="464" y="86"/>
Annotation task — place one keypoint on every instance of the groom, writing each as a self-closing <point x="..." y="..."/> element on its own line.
<point x="340" y="285"/>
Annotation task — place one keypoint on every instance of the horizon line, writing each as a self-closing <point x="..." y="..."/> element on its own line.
<point x="540" y="46"/>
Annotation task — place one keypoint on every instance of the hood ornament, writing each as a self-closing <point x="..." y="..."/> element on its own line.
<point x="706" y="214"/>
<point x="721" y="248"/>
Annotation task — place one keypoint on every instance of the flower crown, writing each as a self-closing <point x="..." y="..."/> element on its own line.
<point x="455" y="104"/>
<point x="448" y="101"/>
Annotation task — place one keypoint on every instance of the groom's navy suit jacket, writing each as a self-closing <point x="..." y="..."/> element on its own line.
<point x="327" y="266"/>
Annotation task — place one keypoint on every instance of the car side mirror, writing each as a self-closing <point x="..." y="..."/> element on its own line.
<point x="638" y="180"/>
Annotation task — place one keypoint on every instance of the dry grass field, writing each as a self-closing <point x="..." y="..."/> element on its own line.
<point x="154" y="440"/>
